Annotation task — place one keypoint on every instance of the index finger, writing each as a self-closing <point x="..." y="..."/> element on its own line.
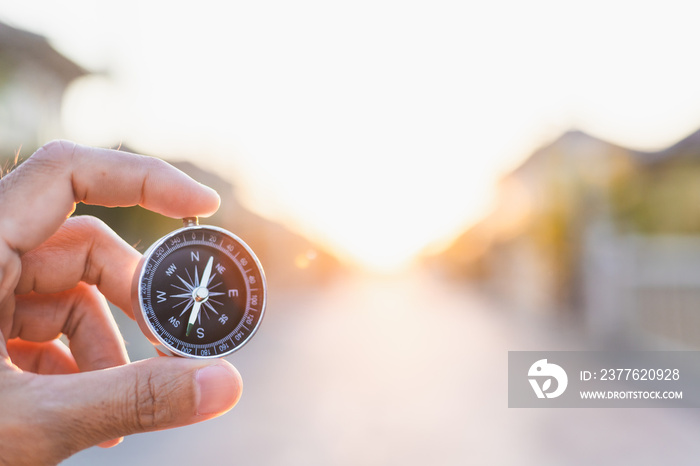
<point x="40" y="194"/>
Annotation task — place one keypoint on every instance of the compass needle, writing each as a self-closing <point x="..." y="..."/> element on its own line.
<point x="199" y="294"/>
<point x="207" y="271"/>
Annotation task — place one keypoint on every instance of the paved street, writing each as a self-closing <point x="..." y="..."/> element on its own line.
<point x="408" y="371"/>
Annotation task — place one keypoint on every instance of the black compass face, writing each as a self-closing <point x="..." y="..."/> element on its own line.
<point x="201" y="292"/>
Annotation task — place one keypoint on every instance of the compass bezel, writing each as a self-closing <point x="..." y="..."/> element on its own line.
<point x="139" y="297"/>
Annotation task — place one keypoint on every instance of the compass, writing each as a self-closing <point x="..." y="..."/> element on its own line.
<point x="199" y="292"/>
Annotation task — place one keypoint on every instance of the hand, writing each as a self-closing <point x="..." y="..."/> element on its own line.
<point x="54" y="271"/>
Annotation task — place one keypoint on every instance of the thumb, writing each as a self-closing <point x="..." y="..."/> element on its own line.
<point x="153" y="394"/>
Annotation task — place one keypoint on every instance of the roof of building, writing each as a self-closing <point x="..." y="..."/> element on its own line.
<point x="18" y="45"/>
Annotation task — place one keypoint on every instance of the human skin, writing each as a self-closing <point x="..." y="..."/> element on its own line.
<point x="55" y="273"/>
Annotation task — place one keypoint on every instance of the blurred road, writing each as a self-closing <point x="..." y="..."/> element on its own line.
<point x="403" y="370"/>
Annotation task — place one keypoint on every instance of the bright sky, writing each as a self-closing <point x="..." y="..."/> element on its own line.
<point x="378" y="126"/>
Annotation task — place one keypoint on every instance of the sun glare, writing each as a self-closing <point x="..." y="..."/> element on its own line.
<point x="374" y="127"/>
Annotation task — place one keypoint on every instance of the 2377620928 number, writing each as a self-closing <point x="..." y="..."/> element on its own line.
<point x="639" y="374"/>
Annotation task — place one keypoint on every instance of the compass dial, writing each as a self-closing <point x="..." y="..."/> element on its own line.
<point x="199" y="292"/>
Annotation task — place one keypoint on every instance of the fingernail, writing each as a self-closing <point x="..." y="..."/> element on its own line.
<point x="219" y="389"/>
<point x="211" y="191"/>
<point x="111" y="443"/>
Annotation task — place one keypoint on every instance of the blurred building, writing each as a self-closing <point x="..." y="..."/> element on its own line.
<point x="33" y="78"/>
<point x="597" y="232"/>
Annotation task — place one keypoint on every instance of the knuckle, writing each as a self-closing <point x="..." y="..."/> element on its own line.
<point x="154" y="406"/>
<point x="53" y="160"/>
<point x="89" y="235"/>
<point x="75" y="237"/>
<point x="85" y="225"/>
<point x="146" y="404"/>
<point x="10" y="270"/>
<point x="58" y="148"/>
<point x="56" y="154"/>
